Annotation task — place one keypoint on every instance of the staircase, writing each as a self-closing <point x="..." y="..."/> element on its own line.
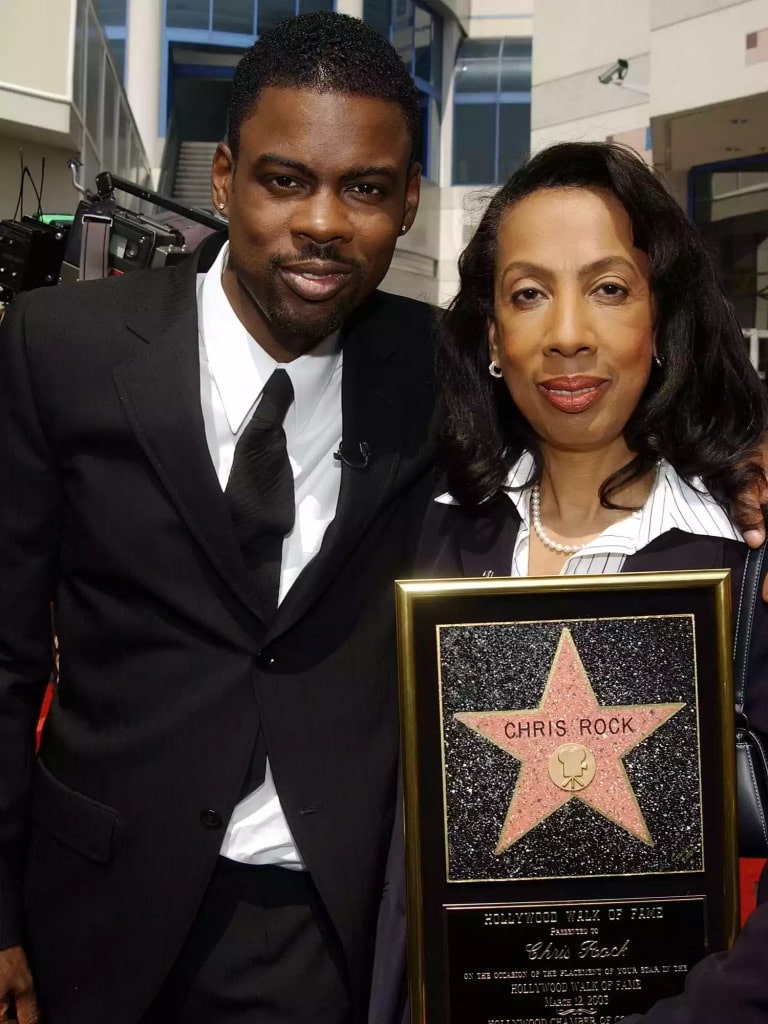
<point x="192" y="184"/>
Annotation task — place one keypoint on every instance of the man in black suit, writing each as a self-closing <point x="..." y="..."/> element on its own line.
<point x="215" y="477"/>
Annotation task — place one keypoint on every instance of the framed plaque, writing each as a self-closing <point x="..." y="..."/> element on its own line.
<point x="569" y="785"/>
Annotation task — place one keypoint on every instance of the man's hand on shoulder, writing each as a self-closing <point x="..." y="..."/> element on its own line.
<point x="17" y="990"/>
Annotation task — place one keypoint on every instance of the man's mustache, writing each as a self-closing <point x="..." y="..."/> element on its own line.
<point x="314" y="251"/>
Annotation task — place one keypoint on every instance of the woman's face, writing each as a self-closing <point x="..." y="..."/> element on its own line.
<point x="573" y="317"/>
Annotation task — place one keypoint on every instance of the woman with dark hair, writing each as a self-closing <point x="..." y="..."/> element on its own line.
<point x="598" y="413"/>
<point x="590" y="326"/>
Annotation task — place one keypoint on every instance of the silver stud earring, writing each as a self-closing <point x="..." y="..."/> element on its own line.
<point x="221" y="206"/>
<point x="494" y="370"/>
<point x="657" y="359"/>
<point x="403" y="229"/>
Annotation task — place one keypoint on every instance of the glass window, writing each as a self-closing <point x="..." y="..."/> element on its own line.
<point x="402" y="31"/>
<point x="109" y="141"/>
<point x="112" y="12"/>
<point x="94" y="68"/>
<point x="78" y="62"/>
<point x="474" y="143"/>
<point x="310" y="6"/>
<point x="422" y="40"/>
<point x="477" y="74"/>
<point x="117" y="51"/>
<point x="273" y="11"/>
<point x="516" y="66"/>
<point x="377" y="14"/>
<point x="482" y="49"/>
<point x="730" y="206"/>
<point x="233" y="16"/>
<point x="491" y="74"/>
<point x="124" y="129"/>
<point x="188" y="14"/>
<point x="436" y="62"/>
<point x="514" y="137"/>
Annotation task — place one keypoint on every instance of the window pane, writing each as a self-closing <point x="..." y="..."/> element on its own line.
<point x="111" y="12"/>
<point x="310" y="6"/>
<point x="108" y="147"/>
<point x="514" y="136"/>
<point x="117" y="51"/>
<point x="477" y="66"/>
<point x="422" y="149"/>
<point x="474" y="143"/>
<point x="437" y="51"/>
<point x="376" y="13"/>
<point x="516" y="66"/>
<point x="188" y="14"/>
<point x="431" y="157"/>
<point x="402" y="31"/>
<point x="123" y="141"/>
<point x="78" y="62"/>
<point x="273" y="11"/>
<point x="486" y="49"/>
<point x="94" y="65"/>
<point x="422" y="39"/>
<point x="233" y="16"/>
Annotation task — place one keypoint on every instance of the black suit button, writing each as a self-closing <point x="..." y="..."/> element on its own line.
<point x="210" y="819"/>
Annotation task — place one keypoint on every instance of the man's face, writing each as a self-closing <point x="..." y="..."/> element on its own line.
<point x="321" y="188"/>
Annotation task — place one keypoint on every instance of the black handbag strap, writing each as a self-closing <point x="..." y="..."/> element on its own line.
<point x="745" y="615"/>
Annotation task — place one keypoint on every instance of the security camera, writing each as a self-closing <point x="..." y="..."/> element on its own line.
<point x="616" y="72"/>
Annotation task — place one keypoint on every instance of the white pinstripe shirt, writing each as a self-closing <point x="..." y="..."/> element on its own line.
<point x="672" y="504"/>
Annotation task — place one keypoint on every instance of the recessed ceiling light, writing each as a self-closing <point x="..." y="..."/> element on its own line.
<point x="733" y="149"/>
<point x="739" y="120"/>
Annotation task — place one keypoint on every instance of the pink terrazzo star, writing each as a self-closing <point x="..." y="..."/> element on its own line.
<point x="570" y="747"/>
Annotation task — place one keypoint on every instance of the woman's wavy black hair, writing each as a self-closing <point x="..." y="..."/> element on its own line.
<point x="705" y="410"/>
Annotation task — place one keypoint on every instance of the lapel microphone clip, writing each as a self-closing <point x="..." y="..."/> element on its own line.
<point x="356" y="461"/>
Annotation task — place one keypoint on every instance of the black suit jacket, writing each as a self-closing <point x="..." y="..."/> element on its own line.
<point x="112" y="509"/>
<point x="458" y="542"/>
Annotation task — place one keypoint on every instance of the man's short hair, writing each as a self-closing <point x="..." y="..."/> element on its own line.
<point x="325" y="52"/>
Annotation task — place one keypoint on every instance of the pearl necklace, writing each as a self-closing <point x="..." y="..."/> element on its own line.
<point x="563" y="549"/>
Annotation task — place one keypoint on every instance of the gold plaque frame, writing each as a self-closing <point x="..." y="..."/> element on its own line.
<point x="423" y="609"/>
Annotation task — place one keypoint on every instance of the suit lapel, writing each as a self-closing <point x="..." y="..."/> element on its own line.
<point x="487" y="540"/>
<point x="486" y="543"/>
<point x="374" y="411"/>
<point x="677" y="549"/>
<point x="160" y="392"/>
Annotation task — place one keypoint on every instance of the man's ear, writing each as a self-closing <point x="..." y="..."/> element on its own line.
<point x="412" y="195"/>
<point x="222" y="171"/>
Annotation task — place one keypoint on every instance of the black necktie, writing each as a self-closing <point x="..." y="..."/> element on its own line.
<point x="260" y="490"/>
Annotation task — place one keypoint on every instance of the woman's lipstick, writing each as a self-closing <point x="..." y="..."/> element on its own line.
<point x="573" y="394"/>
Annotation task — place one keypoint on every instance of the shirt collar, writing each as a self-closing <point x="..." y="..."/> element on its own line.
<point x="673" y="504"/>
<point x="240" y="367"/>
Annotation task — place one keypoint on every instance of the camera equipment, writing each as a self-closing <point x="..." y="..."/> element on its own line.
<point x="103" y="238"/>
<point x="30" y="254"/>
<point x="107" y="239"/>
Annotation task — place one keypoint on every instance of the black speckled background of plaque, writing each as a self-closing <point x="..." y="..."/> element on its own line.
<point x="505" y="667"/>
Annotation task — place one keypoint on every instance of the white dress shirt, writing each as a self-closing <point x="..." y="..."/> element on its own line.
<point x="233" y="371"/>
<point x="672" y="504"/>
